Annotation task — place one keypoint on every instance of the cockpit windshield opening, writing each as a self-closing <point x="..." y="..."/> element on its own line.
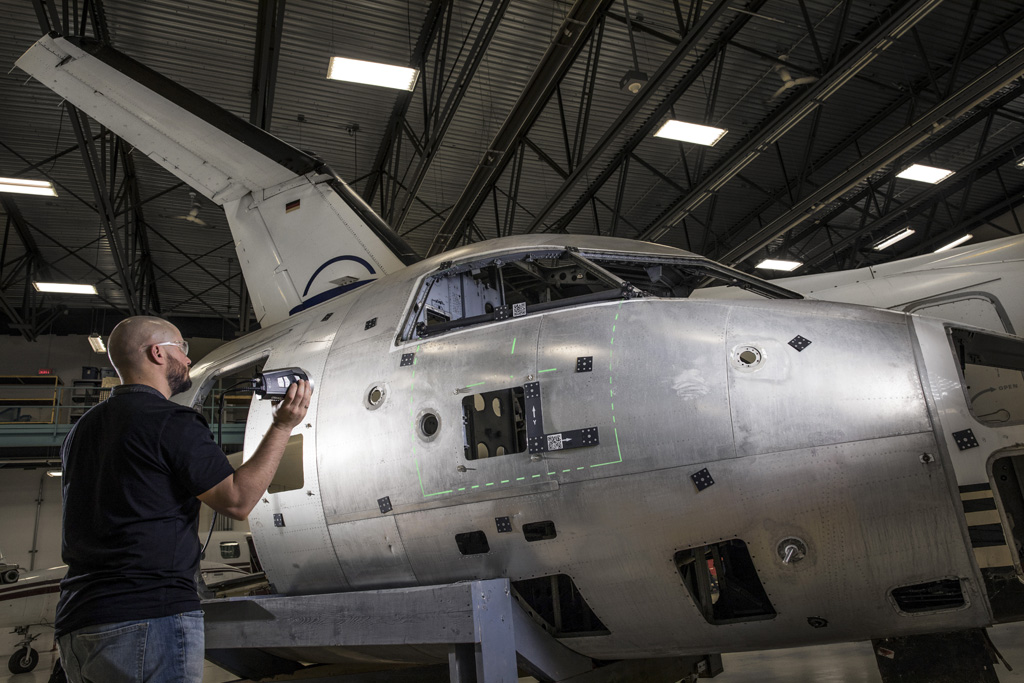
<point x="518" y="284"/>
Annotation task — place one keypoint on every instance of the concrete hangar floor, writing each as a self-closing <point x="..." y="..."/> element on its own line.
<point x="843" y="663"/>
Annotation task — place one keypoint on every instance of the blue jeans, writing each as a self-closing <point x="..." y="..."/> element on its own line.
<point x="165" y="650"/>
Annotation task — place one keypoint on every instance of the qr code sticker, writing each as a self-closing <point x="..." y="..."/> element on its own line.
<point x="518" y="310"/>
<point x="554" y="442"/>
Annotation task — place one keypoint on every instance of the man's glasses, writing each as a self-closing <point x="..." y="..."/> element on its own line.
<point x="183" y="345"/>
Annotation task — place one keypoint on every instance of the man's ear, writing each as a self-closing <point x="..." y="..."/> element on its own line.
<point x="156" y="355"/>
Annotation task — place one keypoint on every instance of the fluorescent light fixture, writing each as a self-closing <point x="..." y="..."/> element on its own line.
<point x="63" y="288"/>
<point x="372" y="73"/>
<point x="690" y="132"/>
<point x="54" y="473"/>
<point x="773" y="264"/>
<point x="96" y="342"/>
<point x="22" y="186"/>
<point x="893" y="239"/>
<point x="955" y="243"/>
<point x="925" y="174"/>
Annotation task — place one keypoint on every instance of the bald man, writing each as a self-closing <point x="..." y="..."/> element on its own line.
<point x="135" y="468"/>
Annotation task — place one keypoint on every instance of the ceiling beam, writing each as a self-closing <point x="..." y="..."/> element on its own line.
<point x="432" y="23"/>
<point x="569" y="39"/>
<point x="799" y="107"/>
<point x="965" y="177"/>
<point x="931" y="123"/>
<point x="269" y="26"/>
<point x="668" y="66"/>
<point x="437" y="124"/>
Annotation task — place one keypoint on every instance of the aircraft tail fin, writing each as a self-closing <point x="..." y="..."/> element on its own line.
<point x="302" y="235"/>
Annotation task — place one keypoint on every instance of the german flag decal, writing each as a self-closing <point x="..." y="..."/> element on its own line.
<point x="292" y="206"/>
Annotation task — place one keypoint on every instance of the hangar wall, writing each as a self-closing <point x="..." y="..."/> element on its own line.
<point x="19" y="491"/>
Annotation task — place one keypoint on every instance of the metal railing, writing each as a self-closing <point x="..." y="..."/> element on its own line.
<point x="43" y="415"/>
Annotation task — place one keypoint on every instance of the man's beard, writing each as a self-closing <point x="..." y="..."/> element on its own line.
<point x="177" y="377"/>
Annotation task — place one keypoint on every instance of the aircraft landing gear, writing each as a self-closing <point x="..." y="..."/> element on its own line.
<point x="24" y="658"/>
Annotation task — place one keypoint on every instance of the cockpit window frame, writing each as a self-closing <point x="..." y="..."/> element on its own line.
<point x="592" y="261"/>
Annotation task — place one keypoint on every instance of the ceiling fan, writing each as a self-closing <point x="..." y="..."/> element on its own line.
<point x="788" y="82"/>
<point x="193" y="211"/>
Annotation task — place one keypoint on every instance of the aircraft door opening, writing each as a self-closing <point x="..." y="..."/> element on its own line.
<point x="1007" y="477"/>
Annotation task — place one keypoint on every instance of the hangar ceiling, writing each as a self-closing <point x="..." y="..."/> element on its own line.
<point x="520" y="123"/>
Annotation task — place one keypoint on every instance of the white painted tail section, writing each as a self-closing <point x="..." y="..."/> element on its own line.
<point x="301" y="234"/>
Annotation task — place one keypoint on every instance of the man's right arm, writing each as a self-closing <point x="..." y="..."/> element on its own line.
<point x="238" y="494"/>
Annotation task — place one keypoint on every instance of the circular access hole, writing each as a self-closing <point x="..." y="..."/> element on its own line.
<point x="748" y="357"/>
<point x="429" y="424"/>
<point x="375" y="395"/>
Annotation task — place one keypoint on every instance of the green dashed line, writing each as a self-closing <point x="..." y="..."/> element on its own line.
<point x="579" y="468"/>
<point x="613" y="419"/>
<point x="490" y="483"/>
<point x="548" y="370"/>
<point x="552" y="473"/>
<point x="613" y="406"/>
<point x="613" y="328"/>
<point x="521" y="478"/>
<point x="535" y="476"/>
<point x="462" y="488"/>
<point x="613" y="341"/>
<point x="609" y="380"/>
<point x="513" y="346"/>
<point x="475" y="486"/>
<point x="618" y="448"/>
<point x="504" y="481"/>
<point x="470" y="386"/>
<point x="568" y="470"/>
<point x="611" y="393"/>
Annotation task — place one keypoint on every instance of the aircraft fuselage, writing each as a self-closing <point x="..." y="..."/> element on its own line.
<point x="818" y="435"/>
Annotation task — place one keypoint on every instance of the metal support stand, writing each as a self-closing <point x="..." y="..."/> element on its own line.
<point x="968" y="656"/>
<point x="476" y="627"/>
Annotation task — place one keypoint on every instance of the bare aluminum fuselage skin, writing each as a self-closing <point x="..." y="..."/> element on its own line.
<point x="845" y="445"/>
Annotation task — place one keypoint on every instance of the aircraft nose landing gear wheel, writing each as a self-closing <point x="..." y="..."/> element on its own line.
<point x="23" y="660"/>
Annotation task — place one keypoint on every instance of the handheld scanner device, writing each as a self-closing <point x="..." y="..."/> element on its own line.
<point x="273" y="384"/>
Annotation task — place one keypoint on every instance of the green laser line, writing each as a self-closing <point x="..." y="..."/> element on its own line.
<point x="617" y="447"/>
<point x="504" y="481"/>
<point x="470" y="386"/>
<point x="513" y="347"/>
<point x="548" y="370"/>
<point x="490" y="483"/>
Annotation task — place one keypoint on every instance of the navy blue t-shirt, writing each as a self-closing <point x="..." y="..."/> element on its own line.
<point x="133" y="466"/>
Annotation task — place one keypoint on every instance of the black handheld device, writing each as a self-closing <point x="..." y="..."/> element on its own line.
<point x="273" y="384"/>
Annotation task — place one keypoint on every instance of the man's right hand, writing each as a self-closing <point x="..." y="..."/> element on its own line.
<point x="292" y="408"/>
<point x="237" y="494"/>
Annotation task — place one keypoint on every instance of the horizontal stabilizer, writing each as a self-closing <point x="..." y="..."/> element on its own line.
<point x="217" y="153"/>
<point x="302" y="235"/>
